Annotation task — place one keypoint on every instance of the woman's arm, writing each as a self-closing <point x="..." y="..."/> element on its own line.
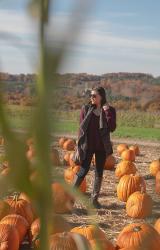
<point x="110" y="114"/>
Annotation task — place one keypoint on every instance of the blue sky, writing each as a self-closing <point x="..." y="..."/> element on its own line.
<point x="116" y="36"/>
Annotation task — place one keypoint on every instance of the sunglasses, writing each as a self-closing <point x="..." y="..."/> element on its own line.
<point x="93" y="95"/>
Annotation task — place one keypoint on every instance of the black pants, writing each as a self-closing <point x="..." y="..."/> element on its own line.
<point x="100" y="157"/>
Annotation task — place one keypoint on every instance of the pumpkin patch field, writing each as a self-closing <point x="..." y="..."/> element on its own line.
<point x="130" y="196"/>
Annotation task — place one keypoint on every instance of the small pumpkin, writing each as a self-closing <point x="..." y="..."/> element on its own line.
<point x="121" y="147"/>
<point x="9" y="238"/>
<point x="68" y="241"/>
<point x="158" y="182"/>
<point x="21" y="207"/>
<point x="4" y="209"/>
<point x="5" y="172"/>
<point x="19" y="222"/>
<point x="69" y="145"/>
<point x="66" y="158"/>
<point x="125" y="167"/>
<point x="69" y="174"/>
<point x="128" y="155"/>
<point x="110" y="162"/>
<point x="63" y="202"/>
<point x="62" y="141"/>
<point x="135" y="148"/>
<point x="157" y="225"/>
<point x="139" y="235"/>
<point x="129" y="184"/>
<point x="55" y="159"/>
<point x="71" y="162"/>
<point x="139" y="205"/>
<point x="31" y="153"/>
<point x="91" y="232"/>
<point x="154" y="167"/>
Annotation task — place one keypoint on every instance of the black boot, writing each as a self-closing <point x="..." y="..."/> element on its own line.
<point x="77" y="181"/>
<point x="96" y="191"/>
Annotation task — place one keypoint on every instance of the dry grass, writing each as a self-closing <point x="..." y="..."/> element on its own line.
<point x="112" y="217"/>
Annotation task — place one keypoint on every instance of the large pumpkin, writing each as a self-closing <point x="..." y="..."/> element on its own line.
<point x="128" y="155"/>
<point x="68" y="241"/>
<point x="55" y="157"/>
<point x="140" y="235"/>
<point x="59" y="225"/>
<point x="62" y="200"/>
<point x="135" y="148"/>
<point x="129" y="184"/>
<point x="21" y="207"/>
<point x="125" y="167"/>
<point x="154" y="167"/>
<point x="4" y="209"/>
<point x="69" y="174"/>
<point x="158" y="182"/>
<point x="18" y="222"/>
<point x="110" y="162"/>
<point x="69" y="144"/>
<point x="139" y="205"/>
<point x="9" y="238"/>
<point x="61" y="141"/>
<point x="91" y="232"/>
<point x="121" y="147"/>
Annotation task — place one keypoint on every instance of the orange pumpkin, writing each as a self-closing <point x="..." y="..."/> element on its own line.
<point x="158" y="182"/>
<point x="55" y="157"/>
<point x="31" y="153"/>
<point x="4" y="209"/>
<point x="154" y="167"/>
<point x="71" y="162"/>
<point x="21" y="207"/>
<point x="62" y="200"/>
<point x="157" y="225"/>
<point x="125" y="167"/>
<point x="9" y="238"/>
<point x="110" y="162"/>
<point x="69" y="144"/>
<point x="26" y="198"/>
<point x="128" y="155"/>
<point x="91" y="232"/>
<point x="19" y="222"/>
<point x="139" y="205"/>
<point x="66" y="158"/>
<point x="135" y="148"/>
<point x="139" y="235"/>
<point x="68" y="241"/>
<point x="121" y="147"/>
<point x="69" y="174"/>
<point x="59" y="225"/>
<point x="129" y="184"/>
<point x="62" y="141"/>
<point x="5" y="171"/>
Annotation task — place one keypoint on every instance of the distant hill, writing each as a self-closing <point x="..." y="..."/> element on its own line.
<point x="124" y="90"/>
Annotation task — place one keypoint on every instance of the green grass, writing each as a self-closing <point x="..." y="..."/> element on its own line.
<point x="130" y="124"/>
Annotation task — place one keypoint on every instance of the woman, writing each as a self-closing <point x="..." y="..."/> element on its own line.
<point x="97" y="120"/>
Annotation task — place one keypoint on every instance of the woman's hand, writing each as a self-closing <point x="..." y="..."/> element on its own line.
<point x="106" y="106"/>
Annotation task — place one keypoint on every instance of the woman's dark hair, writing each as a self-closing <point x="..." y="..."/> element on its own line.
<point x="102" y="93"/>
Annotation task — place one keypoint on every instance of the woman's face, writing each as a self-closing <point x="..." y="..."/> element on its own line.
<point x="95" y="97"/>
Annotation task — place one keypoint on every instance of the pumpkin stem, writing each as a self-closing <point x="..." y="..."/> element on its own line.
<point x="137" y="229"/>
